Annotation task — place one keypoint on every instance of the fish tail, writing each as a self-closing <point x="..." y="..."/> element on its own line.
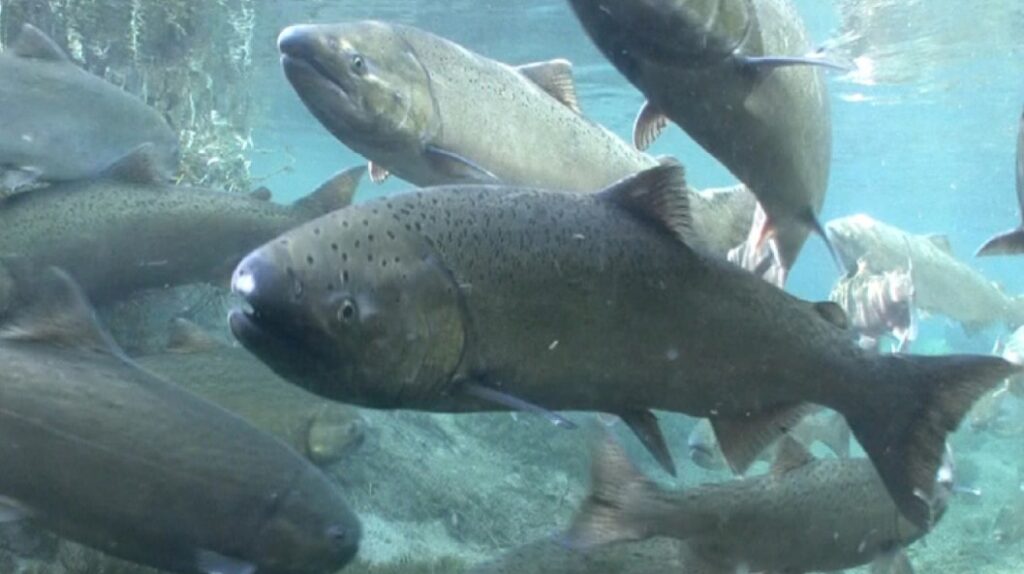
<point x="1008" y="243"/>
<point x="607" y="514"/>
<point x="909" y="406"/>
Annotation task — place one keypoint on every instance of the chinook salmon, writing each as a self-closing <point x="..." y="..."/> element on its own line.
<point x="61" y="123"/>
<point x="434" y="113"/>
<point x="806" y="515"/>
<point x="476" y="298"/>
<point x="730" y="74"/>
<point x="102" y="452"/>
<point x="1011" y="242"/>
<point x="125" y="231"/>
<point x="323" y="431"/>
<point x="943" y="284"/>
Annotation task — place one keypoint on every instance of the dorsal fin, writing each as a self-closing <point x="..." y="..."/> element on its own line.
<point x="792" y="454"/>
<point x="137" y="166"/>
<point x="56" y="312"/>
<point x="334" y="193"/>
<point x="186" y="337"/>
<point x="659" y="195"/>
<point x="555" y="78"/>
<point x="33" y="43"/>
<point x="941" y="241"/>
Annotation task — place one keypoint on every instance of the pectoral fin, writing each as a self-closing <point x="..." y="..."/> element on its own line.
<point x="743" y="437"/>
<point x="515" y="403"/>
<point x="648" y="125"/>
<point x="13" y="180"/>
<point x="644" y="424"/>
<point x="892" y="563"/>
<point x="768" y="63"/>
<point x="458" y="167"/>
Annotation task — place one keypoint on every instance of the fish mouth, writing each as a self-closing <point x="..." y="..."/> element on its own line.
<point x="296" y="67"/>
<point x="273" y="345"/>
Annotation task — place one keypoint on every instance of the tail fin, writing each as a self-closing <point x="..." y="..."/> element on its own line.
<point x="913" y="404"/>
<point x="616" y="486"/>
<point x="1008" y="243"/>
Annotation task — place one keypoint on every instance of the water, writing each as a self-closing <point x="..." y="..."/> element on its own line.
<point x="924" y="135"/>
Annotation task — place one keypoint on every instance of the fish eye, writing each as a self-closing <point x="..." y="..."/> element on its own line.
<point x="347" y="311"/>
<point x="358" y="64"/>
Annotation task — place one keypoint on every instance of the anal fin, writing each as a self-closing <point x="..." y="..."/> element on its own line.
<point x="644" y="424"/>
<point x="743" y="437"/>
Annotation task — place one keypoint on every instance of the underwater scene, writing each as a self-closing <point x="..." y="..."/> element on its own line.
<point x="537" y="287"/>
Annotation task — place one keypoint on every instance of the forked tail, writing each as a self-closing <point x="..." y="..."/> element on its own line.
<point x="909" y="406"/>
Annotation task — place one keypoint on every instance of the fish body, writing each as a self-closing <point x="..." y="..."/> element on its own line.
<point x="730" y="75"/>
<point x="61" y="123"/>
<point x="322" y="431"/>
<point x="878" y="304"/>
<point x="473" y="298"/>
<point x="115" y="235"/>
<point x="433" y="113"/>
<point x="104" y="453"/>
<point x="943" y="284"/>
<point x="1011" y="242"/>
<point x="805" y="516"/>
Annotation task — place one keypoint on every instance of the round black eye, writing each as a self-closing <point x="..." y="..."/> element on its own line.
<point x="358" y="64"/>
<point x="347" y="311"/>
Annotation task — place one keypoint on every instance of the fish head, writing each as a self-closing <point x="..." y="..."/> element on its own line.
<point x="354" y="307"/>
<point x="703" y="447"/>
<point x="334" y="432"/>
<point x="310" y="529"/>
<point x="363" y="81"/>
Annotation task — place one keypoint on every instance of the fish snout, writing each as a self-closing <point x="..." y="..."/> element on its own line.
<point x="265" y="282"/>
<point x="297" y="41"/>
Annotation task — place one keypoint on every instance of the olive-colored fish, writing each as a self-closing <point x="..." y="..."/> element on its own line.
<point x="125" y="231"/>
<point x="805" y="516"/>
<point x="61" y="123"/>
<point x="474" y="298"/>
<point x="104" y="453"/>
<point x="434" y="113"/>
<point x="1011" y="242"/>
<point x="730" y="73"/>
<point x="322" y="431"/>
<point x="828" y="428"/>
<point x="943" y="284"/>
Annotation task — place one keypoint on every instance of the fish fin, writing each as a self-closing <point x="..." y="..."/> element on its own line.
<point x="836" y="435"/>
<point x="895" y="562"/>
<point x="186" y="337"/>
<point x="12" y="511"/>
<point x="908" y="405"/>
<point x="33" y="43"/>
<point x="743" y="437"/>
<point x="458" y="166"/>
<point x="791" y="455"/>
<point x="693" y="562"/>
<point x="137" y="166"/>
<point x="55" y="311"/>
<point x="644" y="424"/>
<point x="833" y="313"/>
<point x="649" y="123"/>
<point x="378" y="173"/>
<point x="814" y="224"/>
<point x="607" y="515"/>
<point x="515" y="403"/>
<point x="769" y="63"/>
<point x="658" y="195"/>
<point x="1008" y="243"/>
<point x="261" y="193"/>
<point x="940" y="240"/>
<point x="335" y="193"/>
<point x="211" y="562"/>
<point x="555" y="78"/>
<point x="16" y="179"/>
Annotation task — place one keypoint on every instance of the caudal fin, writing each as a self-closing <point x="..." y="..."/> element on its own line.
<point x="1008" y="243"/>
<point x="616" y="487"/>
<point x="913" y="404"/>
